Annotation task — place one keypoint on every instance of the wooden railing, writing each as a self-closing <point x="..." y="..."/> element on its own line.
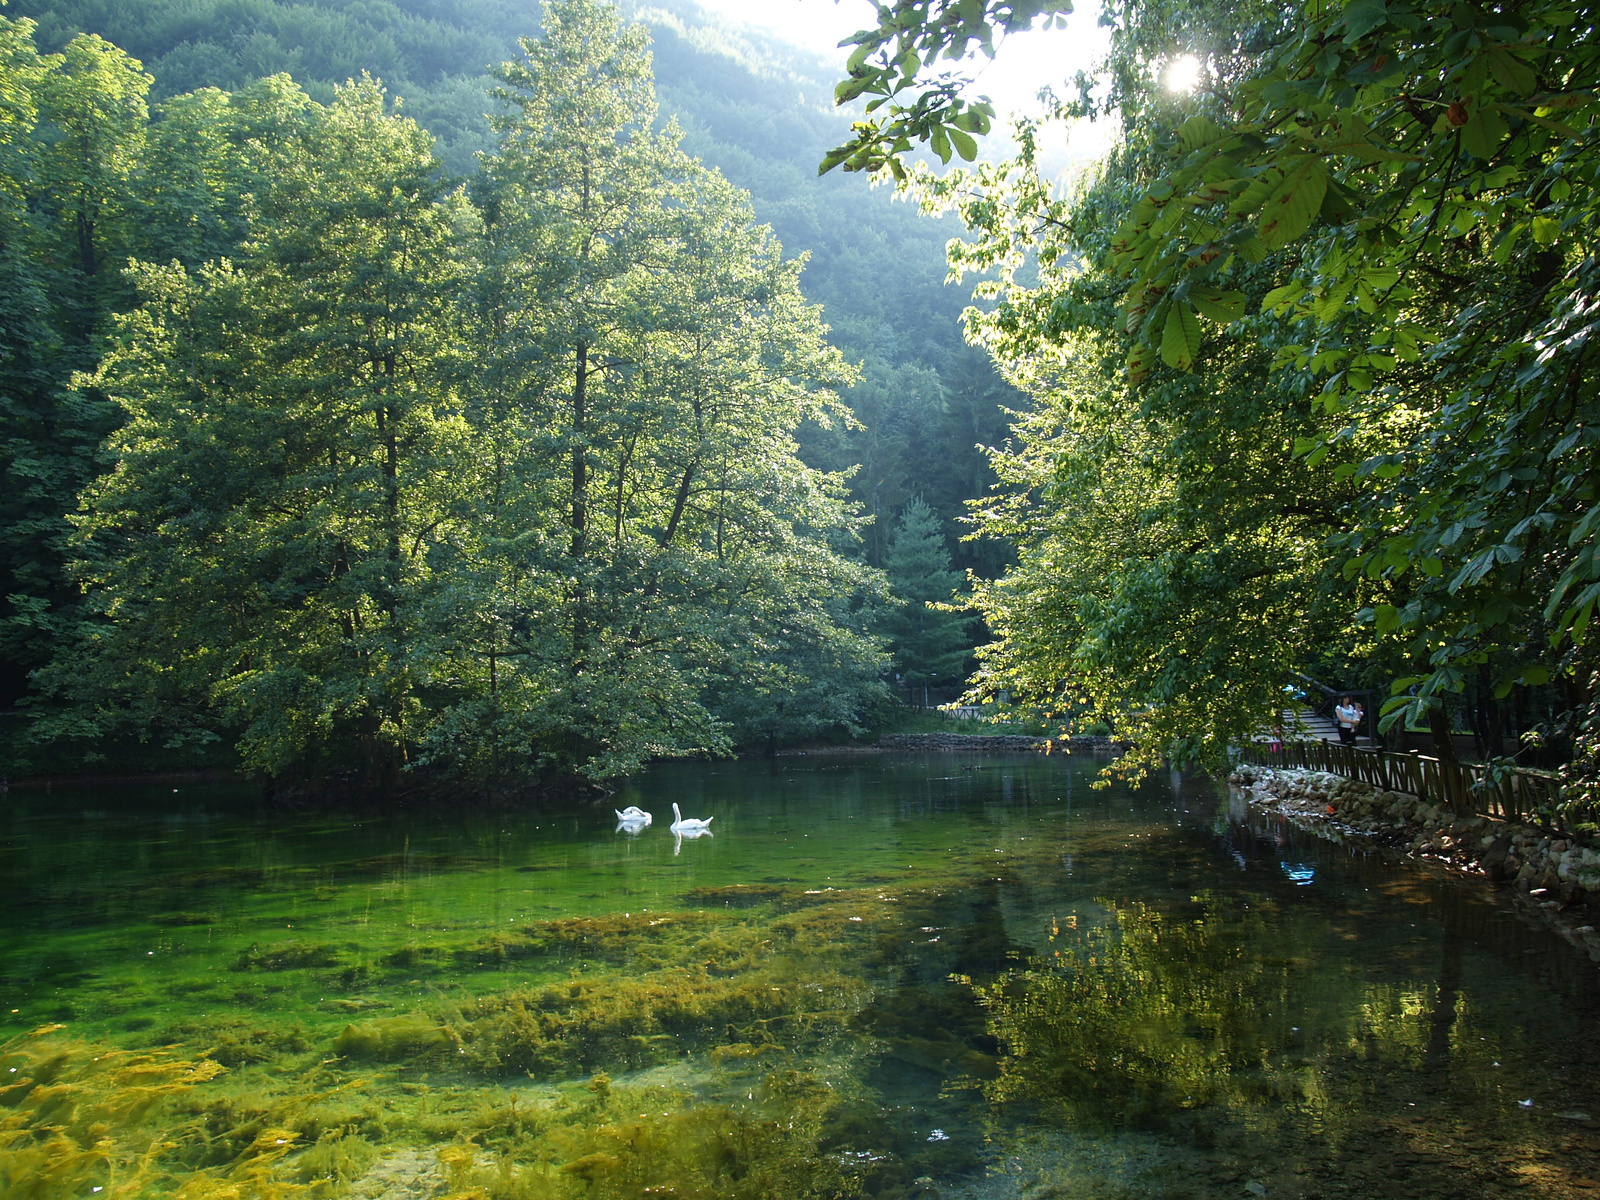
<point x="1511" y="795"/>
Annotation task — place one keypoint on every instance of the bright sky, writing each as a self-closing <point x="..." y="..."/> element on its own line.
<point x="1022" y="65"/>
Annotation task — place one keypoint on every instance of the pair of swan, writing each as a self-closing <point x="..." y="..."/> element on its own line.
<point x="635" y="817"/>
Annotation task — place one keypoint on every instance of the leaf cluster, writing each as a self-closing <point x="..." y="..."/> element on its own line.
<point x="888" y="63"/>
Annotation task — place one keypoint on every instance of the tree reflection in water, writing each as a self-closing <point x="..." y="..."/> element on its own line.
<point x="1223" y="1022"/>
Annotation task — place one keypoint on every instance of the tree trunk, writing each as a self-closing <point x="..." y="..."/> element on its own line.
<point x="1444" y="745"/>
<point x="1489" y="715"/>
<point x="1444" y="749"/>
<point x="380" y="758"/>
<point x="580" y="453"/>
<point x="679" y="503"/>
<point x="391" y="499"/>
<point x="580" y="505"/>
<point x="88" y="260"/>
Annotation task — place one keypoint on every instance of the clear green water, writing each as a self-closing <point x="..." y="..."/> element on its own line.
<point x="897" y="976"/>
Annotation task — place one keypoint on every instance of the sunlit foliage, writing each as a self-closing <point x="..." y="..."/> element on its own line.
<point x="1378" y="220"/>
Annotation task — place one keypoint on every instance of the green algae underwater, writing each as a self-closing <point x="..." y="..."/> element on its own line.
<point x="899" y="977"/>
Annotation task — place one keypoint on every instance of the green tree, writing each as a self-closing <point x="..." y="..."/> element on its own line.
<point x="1432" y="201"/>
<point x="35" y="492"/>
<point x="577" y="193"/>
<point x="396" y="476"/>
<point x="752" y="107"/>
<point x="87" y="185"/>
<point x="494" y="486"/>
<point x="204" y="162"/>
<point x="889" y="443"/>
<point x="73" y="137"/>
<point x="650" y="347"/>
<point x="893" y="62"/>
<point x="283" y="487"/>
<point x="930" y="645"/>
<point x="1172" y="569"/>
<point x="94" y="104"/>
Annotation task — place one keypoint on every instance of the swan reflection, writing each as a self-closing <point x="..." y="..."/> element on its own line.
<point x="679" y="832"/>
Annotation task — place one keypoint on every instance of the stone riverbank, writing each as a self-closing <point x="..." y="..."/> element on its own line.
<point x="1546" y="873"/>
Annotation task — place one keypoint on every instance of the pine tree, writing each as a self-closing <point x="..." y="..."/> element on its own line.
<point x="930" y="646"/>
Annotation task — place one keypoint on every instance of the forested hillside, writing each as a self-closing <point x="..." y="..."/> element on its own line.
<point x="760" y="112"/>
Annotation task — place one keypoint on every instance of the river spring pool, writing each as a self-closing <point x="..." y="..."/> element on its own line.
<point x="892" y="976"/>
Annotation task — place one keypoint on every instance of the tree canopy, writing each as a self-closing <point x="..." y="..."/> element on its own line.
<point x="1375" y="221"/>
<point x="756" y="109"/>
<point x="498" y="480"/>
<point x="176" y="108"/>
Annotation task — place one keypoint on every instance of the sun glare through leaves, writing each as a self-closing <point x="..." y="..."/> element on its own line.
<point x="1182" y="74"/>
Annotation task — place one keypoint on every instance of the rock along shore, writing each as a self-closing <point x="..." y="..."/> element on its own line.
<point x="1554" y="875"/>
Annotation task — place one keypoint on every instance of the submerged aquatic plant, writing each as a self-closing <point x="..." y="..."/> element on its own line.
<point x="255" y="1176"/>
<point x="78" y="1119"/>
<point x="693" y="981"/>
<point x="753" y="994"/>
<point x="75" y="1116"/>
<point x="287" y="956"/>
<point x="603" y="1141"/>
<point x="558" y="1031"/>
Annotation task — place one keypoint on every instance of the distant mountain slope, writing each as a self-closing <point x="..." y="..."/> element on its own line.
<point x="433" y="52"/>
<point x="759" y="110"/>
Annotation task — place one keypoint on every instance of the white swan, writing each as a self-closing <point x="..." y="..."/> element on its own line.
<point x="633" y="815"/>
<point x="682" y="824"/>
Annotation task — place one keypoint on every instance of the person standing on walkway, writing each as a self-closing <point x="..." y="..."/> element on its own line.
<point x="1348" y="714"/>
